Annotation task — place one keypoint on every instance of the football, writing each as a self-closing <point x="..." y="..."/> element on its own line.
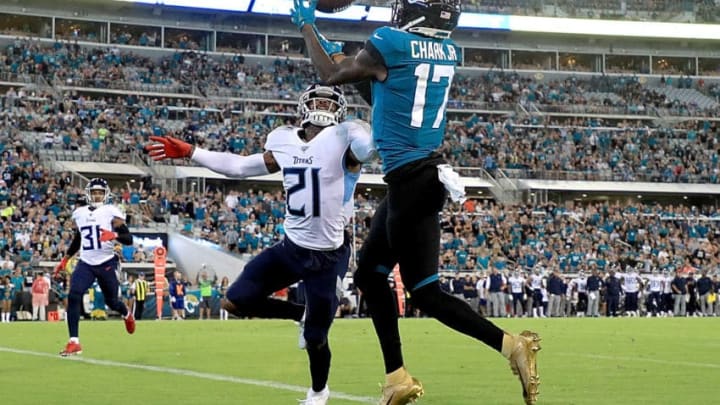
<point x="333" y="6"/>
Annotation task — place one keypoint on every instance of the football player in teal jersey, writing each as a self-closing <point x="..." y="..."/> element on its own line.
<point x="410" y="68"/>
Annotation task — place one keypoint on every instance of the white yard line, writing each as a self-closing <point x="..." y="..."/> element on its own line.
<point x="642" y="359"/>
<point x="191" y="373"/>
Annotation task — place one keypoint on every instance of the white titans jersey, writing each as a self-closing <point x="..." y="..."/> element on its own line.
<point x="319" y="190"/>
<point x="517" y="285"/>
<point x="581" y="284"/>
<point x="631" y="282"/>
<point x="89" y="222"/>
<point x="536" y="281"/>
<point x="656" y="283"/>
<point x="667" y="287"/>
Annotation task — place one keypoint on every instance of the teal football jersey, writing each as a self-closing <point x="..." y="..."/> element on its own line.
<point x="408" y="108"/>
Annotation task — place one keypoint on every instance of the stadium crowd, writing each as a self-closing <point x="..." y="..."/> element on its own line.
<point x="112" y="128"/>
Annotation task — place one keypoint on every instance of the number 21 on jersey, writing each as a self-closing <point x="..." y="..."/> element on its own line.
<point x="301" y="188"/>
<point x="423" y="73"/>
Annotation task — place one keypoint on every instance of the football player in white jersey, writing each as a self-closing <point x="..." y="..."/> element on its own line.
<point x="517" y="291"/>
<point x="667" y="291"/>
<point x="656" y="283"/>
<point x="537" y="284"/>
<point x="631" y="286"/>
<point x="320" y="162"/>
<point x="98" y="226"/>
<point x="580" y="285"/>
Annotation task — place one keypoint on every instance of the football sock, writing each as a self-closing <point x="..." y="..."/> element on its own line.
<point x="319" y="356"/>
<point x="457" y="314"/>
<point x="508" y="343"/>
<point x="382" y="307"/>
<point x="396" y="377"/>
<point x="73" y="313"/>
<point x="75" y="340"/>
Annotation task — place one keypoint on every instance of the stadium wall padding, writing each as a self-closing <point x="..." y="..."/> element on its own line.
<point x="190" y="254"/>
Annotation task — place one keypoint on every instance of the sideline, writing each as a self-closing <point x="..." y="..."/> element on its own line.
<point x="191" y="373"/>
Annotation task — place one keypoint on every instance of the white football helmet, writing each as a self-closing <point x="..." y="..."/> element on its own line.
<point x="322" y="106"/>
<point x="97" y="184"/>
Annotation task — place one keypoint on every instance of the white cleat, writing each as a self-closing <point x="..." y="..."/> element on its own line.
<point x="316" y="398"/>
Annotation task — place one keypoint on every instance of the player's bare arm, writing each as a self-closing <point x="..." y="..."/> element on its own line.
<point x="120" y="232"/>
<point x="349" y="69"/>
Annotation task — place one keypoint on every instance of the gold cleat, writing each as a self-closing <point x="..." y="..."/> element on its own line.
<point x="523" y="362"/>
<point x="404" y="393"/>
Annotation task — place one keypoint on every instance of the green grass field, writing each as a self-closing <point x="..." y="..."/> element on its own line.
<point x="583" y="361"/>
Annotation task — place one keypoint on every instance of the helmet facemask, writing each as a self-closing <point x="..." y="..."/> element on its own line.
<point x="322" y="106"/>
<point x="93" y="192"/>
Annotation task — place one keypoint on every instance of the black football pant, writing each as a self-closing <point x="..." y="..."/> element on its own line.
<point x="406" y="231"/>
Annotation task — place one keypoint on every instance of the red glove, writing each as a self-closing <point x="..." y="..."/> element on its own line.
<point x="106" y="235"/>
<point x="167" y="147"/>
<point x="60" y="267"/>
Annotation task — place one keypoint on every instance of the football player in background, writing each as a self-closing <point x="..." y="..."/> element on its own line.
<point x="410" y="68"/>
<point x="97" y="226"/>
<point x="320" y="162"/>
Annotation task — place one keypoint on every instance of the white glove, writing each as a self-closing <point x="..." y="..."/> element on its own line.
<point x="592" y="295"/>
<point x="172" y="299"/>
<point x="451" y="180"/>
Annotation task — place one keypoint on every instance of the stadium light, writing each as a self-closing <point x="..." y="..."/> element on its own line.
<point x="479" y="21"/>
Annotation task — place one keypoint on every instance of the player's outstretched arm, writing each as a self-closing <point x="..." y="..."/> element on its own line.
<point x="333" y="69"/>
<point x="225" y="163"/>
<point x="349" y="70"/>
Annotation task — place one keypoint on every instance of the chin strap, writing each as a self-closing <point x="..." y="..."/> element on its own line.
<point x="412" y="23"/>
<point x="430" y="32"/>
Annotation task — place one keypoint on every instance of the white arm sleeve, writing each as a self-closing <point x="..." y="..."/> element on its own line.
<point x="362" y="143"/>
<point x="230" y="164"/>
